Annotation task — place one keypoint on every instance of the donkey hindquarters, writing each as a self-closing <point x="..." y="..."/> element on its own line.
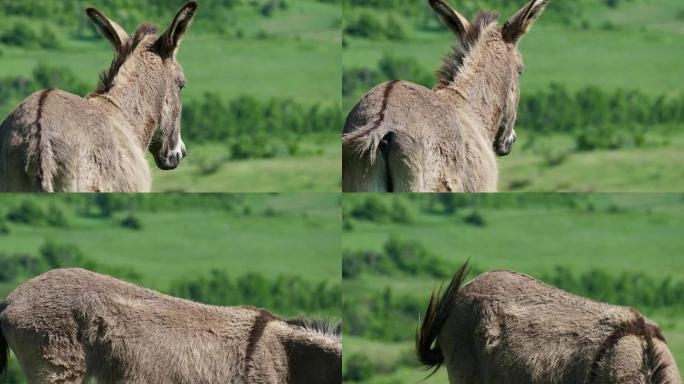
<point x="505" y="327"/>
<point x="59" y="142"/>
<point x="72" y="325"/>
<point x="403" y="137"/>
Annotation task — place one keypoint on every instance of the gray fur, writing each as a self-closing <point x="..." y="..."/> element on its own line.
<point x="444" y="139"/>
<point x="72" y="326"/>
<point x="58" y="142"/>
<point x="506" y="327"/>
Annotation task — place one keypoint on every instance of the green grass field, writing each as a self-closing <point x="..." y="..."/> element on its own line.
<point x="295" y="54"/>
<point x="302" y="239"/>
<point x="312" y="172"/>
<point x="639" y="45"/>
<point x="622" y="232"/>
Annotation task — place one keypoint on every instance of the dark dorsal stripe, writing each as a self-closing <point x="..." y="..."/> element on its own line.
<point x="635" y="327"/>
<point x="39" y="138"/>
<point x="258" y="328"/>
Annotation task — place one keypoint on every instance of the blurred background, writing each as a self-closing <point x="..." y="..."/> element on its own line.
<point x="262" y="105"/>
<point x="602" y="104"/>
<point x="624" y="249"/>
<point x="279" y="252"/>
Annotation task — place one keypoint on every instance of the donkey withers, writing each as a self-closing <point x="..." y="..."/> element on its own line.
<point x="402" y="137"/>
<point x="58" y="142"/>
<point x="75" y="326"/>
<point x="506" y="327"/>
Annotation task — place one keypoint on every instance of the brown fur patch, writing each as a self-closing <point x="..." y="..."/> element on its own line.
<point x="635" y="327"/>
<point x="443" y="186"/>
<point x="260" y="323"/>
<point x="453" y="61"/>
<point x="107" y="77"/>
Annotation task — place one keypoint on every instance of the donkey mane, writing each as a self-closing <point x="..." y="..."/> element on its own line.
<point x="107" y="76"/>
<point x="453" y="61"/>
<point x="635" y="327"/>
<point x="327" y="328"/>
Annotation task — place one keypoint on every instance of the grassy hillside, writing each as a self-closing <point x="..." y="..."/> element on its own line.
<point x="248" y="233"/>
<point x="205" y="170"/>
<point x="637" y="46"/>
<point x="534" y="234"/>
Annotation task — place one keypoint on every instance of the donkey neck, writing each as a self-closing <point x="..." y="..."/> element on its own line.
<point x="141" y="105"/>
<point x="481" y="85"/>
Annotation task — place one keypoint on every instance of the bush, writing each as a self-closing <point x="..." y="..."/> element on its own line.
<point x="132" y="222"/>
<point x="398" y="257"/>
<point x="58" y="255"/>
<point x="19" y="35"/>
<point x="475" y="218"/>
<point x="289" y="295"/>
<point x="55" y="217"/>
<point x="365" y="26"/>
<point x="28" y="212"/>
<point x="4" y="228"/>
<point x="358" y="368"/>
<point x="371" y="209"/>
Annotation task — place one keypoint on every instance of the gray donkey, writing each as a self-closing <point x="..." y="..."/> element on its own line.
<point x="75" y="326"/>
<point x="402" y="137"/>
<point x="58" y="142"/>
<point x="506" y="327"/>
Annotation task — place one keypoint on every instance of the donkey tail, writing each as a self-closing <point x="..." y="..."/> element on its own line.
<point x="435" y="317"/>
<point x="4" y="351"/>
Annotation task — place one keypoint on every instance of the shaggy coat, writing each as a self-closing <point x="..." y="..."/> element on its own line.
<point x="59" y="142"/>
<point x="402" y="137"/>
<point x="506" y="327"/>
<point x="71" y="325"/>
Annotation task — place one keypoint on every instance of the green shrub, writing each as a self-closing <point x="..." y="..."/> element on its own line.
<point x="475" y="218"/>
<point x="132" y="222"/>
<point x="358" y="367"/>
<point x="55" y="217"/>
<point x="4" y="228"/>
<point x="28" y="212"/>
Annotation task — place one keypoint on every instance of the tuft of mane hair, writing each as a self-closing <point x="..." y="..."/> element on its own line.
<point x="107" y="77"/>
<point x="329" y="328"/>
<point x="452" y="63"/>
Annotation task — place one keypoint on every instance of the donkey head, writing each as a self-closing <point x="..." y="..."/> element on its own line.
<point x="149" y="80"/>
<point x="497" y="50"/>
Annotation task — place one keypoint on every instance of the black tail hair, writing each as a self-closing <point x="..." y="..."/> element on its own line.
<point x="4" y="351"/>
<point x="435" y="316"/>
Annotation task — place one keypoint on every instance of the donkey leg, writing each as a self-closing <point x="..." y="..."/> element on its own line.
<point x="47" y="360"/>
<point x="358" y="176"/>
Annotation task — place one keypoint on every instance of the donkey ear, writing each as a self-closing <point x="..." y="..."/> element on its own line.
<point x="112" y="31"/>
<point x="452" y="19"/>
<point x="171" y="39"/>
<point x="521" y="22"/>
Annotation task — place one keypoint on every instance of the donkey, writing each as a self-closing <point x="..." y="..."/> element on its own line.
<point x="72" y="325"/>
<point x="506" y="327"/>
<point x="402" y="137"/>
<point x="58" y="142"/>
